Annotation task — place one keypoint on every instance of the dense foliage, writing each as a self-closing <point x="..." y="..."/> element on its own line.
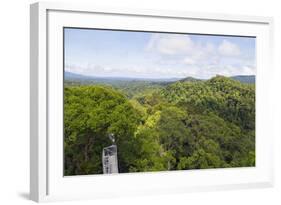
<point x="170" y="126"/>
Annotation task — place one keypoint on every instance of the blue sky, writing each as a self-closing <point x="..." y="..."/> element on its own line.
<point x="107" y="53"/>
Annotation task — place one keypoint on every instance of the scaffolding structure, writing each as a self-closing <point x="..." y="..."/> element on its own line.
<point x="109" y="160"/>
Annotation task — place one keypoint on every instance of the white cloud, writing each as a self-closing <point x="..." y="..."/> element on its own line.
<point x="201" y="59"/>
<point x="226" y="48"/>
<point x="154" y="71"/>
<point x="170" y="44"/>
<point x="247" y="70"/>
<point x="182" y="48"/>
<point x="188" y="61"/>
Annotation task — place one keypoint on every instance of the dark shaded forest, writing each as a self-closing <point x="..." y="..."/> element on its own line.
<point x="159" y="126"/>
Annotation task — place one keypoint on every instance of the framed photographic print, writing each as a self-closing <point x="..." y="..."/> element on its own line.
<point x="127" y="102"/>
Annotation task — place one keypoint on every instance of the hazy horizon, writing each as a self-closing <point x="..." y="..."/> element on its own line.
<point x="151" y="78"/>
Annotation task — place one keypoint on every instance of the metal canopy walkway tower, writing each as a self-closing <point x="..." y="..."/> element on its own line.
<point x="109" y="158"/>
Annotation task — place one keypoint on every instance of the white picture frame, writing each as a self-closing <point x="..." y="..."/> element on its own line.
<point x="47" y="182"/>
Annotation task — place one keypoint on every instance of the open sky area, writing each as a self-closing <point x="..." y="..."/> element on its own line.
<point x="109" y="53"/>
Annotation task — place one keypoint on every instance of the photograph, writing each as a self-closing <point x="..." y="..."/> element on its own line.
<point x="149" y="101"/>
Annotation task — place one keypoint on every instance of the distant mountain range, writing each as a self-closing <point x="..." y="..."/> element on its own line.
<point x="69" y="76"/>
<point x="251" y="79"/>
<point x="189" y="79"/>
<point x="74" y="76"/>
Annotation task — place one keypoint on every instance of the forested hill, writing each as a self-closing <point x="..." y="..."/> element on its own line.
<point x="228" y="98"/>
<point x="194" y="124"/>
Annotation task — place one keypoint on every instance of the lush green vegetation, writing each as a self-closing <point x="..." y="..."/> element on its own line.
<point x="160" y="126"/>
